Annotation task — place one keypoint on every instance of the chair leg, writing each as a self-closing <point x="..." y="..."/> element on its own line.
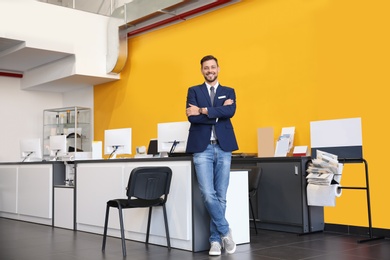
<point x="148" y="228"/>
<point x="253" y="214"/>
<point x="122" y="230"/>
<point x="105" y="228"/>
<point x="166" y="227"/>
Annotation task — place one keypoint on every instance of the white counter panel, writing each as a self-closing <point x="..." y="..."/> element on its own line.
<point x="35" y="184"/>
<point x="237" y="207"/>
<point x="63" y="207"/>
<point x="96" y="184"/>
<point x="8" y="188"/>
<point x="178" y="208"/>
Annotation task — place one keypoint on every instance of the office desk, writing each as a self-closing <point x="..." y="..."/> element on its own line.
<point x="281" y="198"/>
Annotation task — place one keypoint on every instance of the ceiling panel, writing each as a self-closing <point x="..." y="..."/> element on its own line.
<point x="28" y="58"/>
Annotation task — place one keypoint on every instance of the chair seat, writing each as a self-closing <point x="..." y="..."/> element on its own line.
<point x="135" y="203"/>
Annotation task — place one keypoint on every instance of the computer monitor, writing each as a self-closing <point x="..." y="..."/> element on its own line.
<point x="172" y="136"/>
<point x="57" y="146"/>
<point x="31" y="150"/>
<point x="152" y="148"/>
<point x="117" y="141"/>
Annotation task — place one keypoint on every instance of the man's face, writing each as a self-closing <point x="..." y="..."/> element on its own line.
<point x="210" y="71"/>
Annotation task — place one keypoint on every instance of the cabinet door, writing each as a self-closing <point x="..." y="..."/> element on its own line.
<point x="8" y="188"/>
<point x="280" y="193"/>
<point x="35" y="191"/>
<point x="63" y="207"/>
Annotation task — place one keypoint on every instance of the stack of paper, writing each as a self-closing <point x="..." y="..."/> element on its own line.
<point x="325" y="166"/>
<point x="324" y="175"/>
<point x="320" y="178"/>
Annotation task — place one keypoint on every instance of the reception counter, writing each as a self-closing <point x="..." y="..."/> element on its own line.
<point x="36" y="192"/>
<point x="82" y="206"/>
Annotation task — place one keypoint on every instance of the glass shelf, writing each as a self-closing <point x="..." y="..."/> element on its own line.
<point x="74" y="122"/>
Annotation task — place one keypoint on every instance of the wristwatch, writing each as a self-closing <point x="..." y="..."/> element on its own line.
<point x="200" y="110"/>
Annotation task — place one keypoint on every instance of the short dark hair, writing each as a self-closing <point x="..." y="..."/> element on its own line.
<point x="208" y="57"/>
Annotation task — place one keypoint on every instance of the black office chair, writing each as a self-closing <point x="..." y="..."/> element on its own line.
<point x="254" y="175"/>
<point x="148" y="187"/>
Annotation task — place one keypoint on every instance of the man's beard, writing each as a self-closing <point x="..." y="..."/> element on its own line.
<point x="214" y="78"/>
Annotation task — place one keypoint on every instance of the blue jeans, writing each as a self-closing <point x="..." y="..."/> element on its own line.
<point x="212" y="168"/>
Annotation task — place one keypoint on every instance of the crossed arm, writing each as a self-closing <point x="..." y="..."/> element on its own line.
<point x="193" y="110"/>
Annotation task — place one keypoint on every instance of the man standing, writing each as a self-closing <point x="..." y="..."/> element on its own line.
<point x="211" y="139"/>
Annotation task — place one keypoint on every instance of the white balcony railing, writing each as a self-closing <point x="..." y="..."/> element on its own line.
<point x="102" y="7"/>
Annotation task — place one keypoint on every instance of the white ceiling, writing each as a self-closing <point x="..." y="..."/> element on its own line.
<point x="16" y="58"/>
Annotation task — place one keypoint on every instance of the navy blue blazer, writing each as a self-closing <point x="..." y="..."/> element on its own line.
<point x="200" y="129"/>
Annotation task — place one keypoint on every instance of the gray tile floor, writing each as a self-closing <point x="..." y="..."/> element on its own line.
<point x="21" y="241"/>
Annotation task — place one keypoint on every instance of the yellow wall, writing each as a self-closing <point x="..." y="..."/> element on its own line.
<point x="290" y="61"/>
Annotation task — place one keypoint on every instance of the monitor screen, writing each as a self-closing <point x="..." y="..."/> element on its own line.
<point x="57" y="145"/>
<point x="172" y="137"/>
<point x="30" y="150"/>
<point x="117" y="141"/>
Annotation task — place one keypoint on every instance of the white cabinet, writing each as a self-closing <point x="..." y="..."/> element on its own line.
<point x="26" y="190"/>
<point x="64" y="206"/>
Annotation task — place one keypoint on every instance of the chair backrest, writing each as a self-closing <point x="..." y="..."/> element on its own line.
<point x="149" y="183"/>
<point x="254" y="175"/>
